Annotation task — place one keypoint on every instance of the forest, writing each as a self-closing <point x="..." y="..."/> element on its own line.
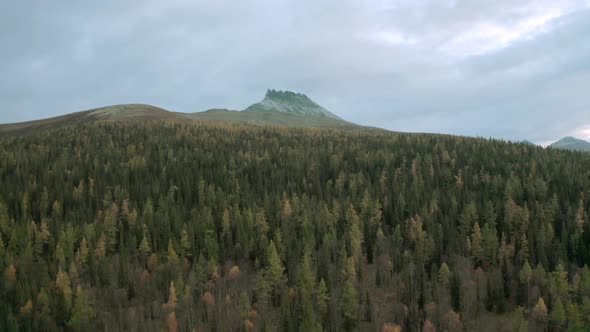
<point x="151" y="226"/>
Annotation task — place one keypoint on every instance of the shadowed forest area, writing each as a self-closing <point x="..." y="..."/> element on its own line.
<point x="145" y="226"/>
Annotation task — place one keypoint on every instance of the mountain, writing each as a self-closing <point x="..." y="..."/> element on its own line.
<point x="571" y="143"/>
<point x="278" y="108"/>
<point x="290" y="102"/>
<point x="525" y="142"/>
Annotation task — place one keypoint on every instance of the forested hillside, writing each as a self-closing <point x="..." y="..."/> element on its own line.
<point x="188" y="227"/>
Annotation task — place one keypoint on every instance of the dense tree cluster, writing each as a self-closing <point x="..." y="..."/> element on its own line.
<point x="152" y="226"/>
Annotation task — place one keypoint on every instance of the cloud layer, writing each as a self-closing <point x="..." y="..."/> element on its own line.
<point x="506" y="69"/>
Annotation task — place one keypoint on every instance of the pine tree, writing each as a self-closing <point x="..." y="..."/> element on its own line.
<point x="262" y="288"/>
<point x="444" y="274"/>
<point x="82" y="253"/>
<point x="323" y="299"/>
<point x="45" y="234"/>
<point x="226" y="233"/>
<point x="539" y="312"/>
<point x="261" y="224"/>
<point x="558" y="314"/>
<point x="27" y="309"/>
<point x="574" y="317"/>
<point x="275" y="267"/>
<point x="110" y="228"/>
<point x="349" y="307"/>
<point x="476" y="245"/>
<point x="355" y="235"/>
<point x="63" y="283"/>
<point x="526" y="275"/>
<point x="144" y="246"/>
<point x="172" y="256"/>
<point x="524" y="247"/>
<point x="82" y="313"/>
<point x="60" y="256"/>
<point x="558" y="282"/>
<point x="287" y="210"/>
<point x="306" y="286"/>
<point x="101" y="248"/>
<point x="489" y="245"/>
<point x="467" y="219"/>
<point x="185" y="243"/>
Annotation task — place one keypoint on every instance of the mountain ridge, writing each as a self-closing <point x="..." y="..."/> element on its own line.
<point x="278" y="108"/>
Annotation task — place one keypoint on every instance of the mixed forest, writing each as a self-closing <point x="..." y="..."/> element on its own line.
<point x="151" y="226"/>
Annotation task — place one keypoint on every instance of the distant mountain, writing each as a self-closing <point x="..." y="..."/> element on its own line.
<point x="527" y="142"/>
<point x="279" y="108"/>
<point x="290" y="102"/>
<point x="571" y="143"/>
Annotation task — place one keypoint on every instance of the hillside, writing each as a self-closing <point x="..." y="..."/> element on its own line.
<point x="133" y="112"/>
<point x="271" y="117"/>
<point x="127" y="112"/>
<point x="571" y="143"/>
<point x="280" y="108"/>
<point x="56" y="122"/>
<point x="148" y="226"/>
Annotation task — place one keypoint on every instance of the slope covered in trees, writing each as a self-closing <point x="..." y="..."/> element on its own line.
<point x="147" y="226"/>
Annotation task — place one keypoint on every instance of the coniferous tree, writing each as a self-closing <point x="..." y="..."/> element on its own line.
<point x="82" y="312"/>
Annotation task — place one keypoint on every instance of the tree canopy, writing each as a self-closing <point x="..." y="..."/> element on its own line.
<point x="150" y="226"/>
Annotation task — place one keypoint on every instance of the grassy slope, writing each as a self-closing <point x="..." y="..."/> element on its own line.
<point x="134" y="111"/>
<point x="139" y="112"/>
<point x="56" y="122"/>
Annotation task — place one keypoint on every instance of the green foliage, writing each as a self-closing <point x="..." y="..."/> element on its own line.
<point x="329" y="230"/>
<point x="275" y="266"/>
<point x="444" y="274"/>
<point x="323" y="299"/>
<point x="82" y="313"/>
<point x="349" y="306"/>
<point x="526" y="273"/>
<point x="558" y="314"/>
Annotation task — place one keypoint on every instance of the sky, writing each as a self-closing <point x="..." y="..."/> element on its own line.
<point x="496" y="68"/>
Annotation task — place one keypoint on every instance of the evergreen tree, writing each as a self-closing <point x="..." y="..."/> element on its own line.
<point x="476" y="245"/>
<point x="558" y="314"/>
<point x="275" y="266"/>
<point x="82" y="313"/>
<point x="349" y="307"/>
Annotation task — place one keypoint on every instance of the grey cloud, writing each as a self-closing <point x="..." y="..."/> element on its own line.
<point x="193" y="55"/>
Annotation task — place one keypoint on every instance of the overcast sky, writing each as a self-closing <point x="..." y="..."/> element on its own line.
<point x="505" y="69"/>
